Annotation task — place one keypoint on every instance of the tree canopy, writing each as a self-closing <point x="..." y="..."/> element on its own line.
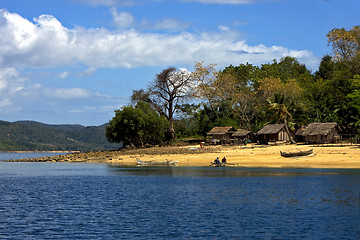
<point x="137" y="126"/>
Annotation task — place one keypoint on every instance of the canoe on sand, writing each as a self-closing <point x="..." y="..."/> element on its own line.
<point x="296" y="154"/>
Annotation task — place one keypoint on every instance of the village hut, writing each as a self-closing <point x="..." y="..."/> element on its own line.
<point x="242" y="136"/>
<point x="274" y="133"/>
<point x="322" y="132"/>
<point x="299" y="137"/>
<point x="221" y="134"/>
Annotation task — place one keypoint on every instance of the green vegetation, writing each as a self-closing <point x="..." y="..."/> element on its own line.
<point x="137" y="126"/>
<point x="249" y="97"/>
<point x="35" y="136"/>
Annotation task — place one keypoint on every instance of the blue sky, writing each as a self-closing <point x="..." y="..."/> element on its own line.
<point x="76" y="61"/>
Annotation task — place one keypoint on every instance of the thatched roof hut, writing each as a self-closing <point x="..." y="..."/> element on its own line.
<point x="242" y="136"/>
<point x="221" y="134"/>
<point x="241" y="133"/>
<point x="274" y="133"/>
<point x="321" y="132"/>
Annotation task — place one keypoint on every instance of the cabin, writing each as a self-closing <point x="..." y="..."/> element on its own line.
<point x="274" y="133"/>
<point x="242" y="136"/>
<point x="221" y="134"/>
<point x="322" y="133"/>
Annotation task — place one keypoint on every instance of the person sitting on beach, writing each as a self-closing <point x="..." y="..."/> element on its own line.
<point x="217" y="161"/>
<point x="223" y="161"/>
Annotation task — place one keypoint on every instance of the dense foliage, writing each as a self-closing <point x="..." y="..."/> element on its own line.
<point x="35" y="136"/>
<point x="137" y="126"/>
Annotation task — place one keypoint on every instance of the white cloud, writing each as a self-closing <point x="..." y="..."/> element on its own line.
<point x="123" y="19"/>
<point x="64" y="74"/>
<point x="170" y="24"/>
<point x="11" y="84"/>
<point x="68" y="93"/>
<point x="5" y="102"/>
<point x="46" y="43"/>
<point x="10" y="81"/>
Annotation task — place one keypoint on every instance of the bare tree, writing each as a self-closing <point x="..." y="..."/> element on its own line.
<point x="169" y="88"/>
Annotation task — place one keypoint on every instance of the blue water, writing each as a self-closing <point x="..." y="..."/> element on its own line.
<point x="90" y="201"/>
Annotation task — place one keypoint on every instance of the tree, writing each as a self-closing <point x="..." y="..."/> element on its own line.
<point x="237" y="89"/>
<point x="281" y="112"/>
<point x="170" y="88"/>
<point x="206" y="84"/>
<point x="346" y="46"/>
<point x="136" y="126"/>
<point x="354" y="103"/>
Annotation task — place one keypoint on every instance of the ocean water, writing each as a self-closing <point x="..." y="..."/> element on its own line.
<point x="91" y="201"/>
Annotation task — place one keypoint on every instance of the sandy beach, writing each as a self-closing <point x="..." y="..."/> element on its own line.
<point x="325" y="156"/>
<point x="262" y="156"/>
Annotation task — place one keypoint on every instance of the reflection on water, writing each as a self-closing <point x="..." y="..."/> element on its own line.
<point x="221" y="172"/>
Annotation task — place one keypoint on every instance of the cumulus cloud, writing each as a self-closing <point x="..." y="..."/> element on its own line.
<point x="45" y="42"/>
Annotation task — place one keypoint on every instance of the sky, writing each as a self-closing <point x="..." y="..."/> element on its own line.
<point x="77" y="61"/>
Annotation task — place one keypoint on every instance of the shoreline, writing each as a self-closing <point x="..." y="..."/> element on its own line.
<point x="252" y="155"/>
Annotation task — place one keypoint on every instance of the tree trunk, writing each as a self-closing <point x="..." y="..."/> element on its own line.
<point x="288" y="132"/>
<point x="171" y="130"/>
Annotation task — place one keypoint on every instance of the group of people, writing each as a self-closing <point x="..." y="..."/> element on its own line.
<point x="218" y="163"/>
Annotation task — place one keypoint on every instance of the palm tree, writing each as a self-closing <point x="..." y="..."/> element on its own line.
<point x="281" y="112"/>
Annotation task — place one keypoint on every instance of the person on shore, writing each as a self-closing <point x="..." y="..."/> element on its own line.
<point x="217" y="161"/>
<point x="223" y="161"/>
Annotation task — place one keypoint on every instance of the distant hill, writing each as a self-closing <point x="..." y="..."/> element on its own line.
<point x="32" y="136"/>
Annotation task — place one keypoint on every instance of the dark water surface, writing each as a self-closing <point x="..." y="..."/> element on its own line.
<point x="89" y="201"/>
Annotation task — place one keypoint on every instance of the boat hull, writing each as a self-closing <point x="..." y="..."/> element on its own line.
<point x="296" y="154"/>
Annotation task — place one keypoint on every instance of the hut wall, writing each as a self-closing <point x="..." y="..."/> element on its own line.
<point x="224" y="136"/>
<point x="227" y="136"/>
<point x="283" y="136"/>
<point x="313" y="138"/>
<point x="333" y="136"/>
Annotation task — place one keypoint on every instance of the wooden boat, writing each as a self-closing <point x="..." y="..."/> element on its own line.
<point x="296" y="154"/>
<point x="166" y="163"/>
